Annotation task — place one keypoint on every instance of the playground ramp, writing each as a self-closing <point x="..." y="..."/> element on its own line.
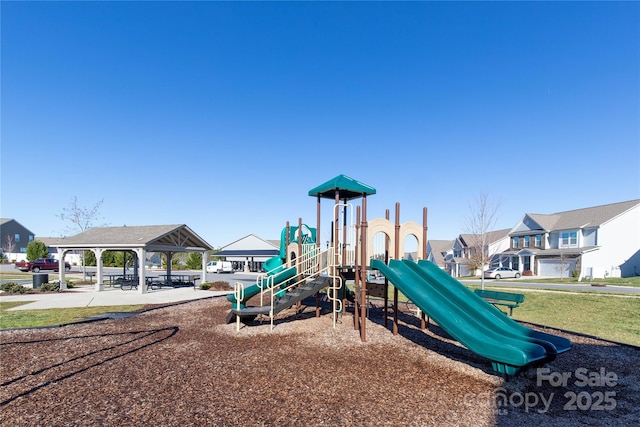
<point x="469" y="319"/>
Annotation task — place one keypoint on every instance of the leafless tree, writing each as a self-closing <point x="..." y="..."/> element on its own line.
<point x="480" y="220"/>
<point x="81" y="219"/>
<point x="8" y="243"/>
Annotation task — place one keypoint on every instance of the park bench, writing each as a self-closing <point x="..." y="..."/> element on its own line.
<point x="506" y="299"/>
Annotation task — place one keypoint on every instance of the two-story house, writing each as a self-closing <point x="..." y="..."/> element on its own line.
<point x="14" y="239"/>
<point x="465" y="252"/>
<point x="599" y="241"/>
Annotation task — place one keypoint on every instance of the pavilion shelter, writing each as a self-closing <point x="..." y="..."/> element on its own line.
<point x="139" y="240"/>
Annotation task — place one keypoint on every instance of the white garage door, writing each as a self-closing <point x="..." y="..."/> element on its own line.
<point x="556" y="268"/>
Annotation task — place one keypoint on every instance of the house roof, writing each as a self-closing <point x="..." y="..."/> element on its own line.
<point x="438" y="247"/>
<point x="8" y="220"/>
<point x="492" y="236"/>
<point x="582" y="218"/>
<point x="152" y="237"/>
<point x="348" y="188"/>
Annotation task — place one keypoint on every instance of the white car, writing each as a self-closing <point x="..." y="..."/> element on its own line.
<point x="501" y="273"/>
<point x="219" y="267"/>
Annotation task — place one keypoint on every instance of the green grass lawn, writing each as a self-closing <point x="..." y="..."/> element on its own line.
<point x="612" y="281"/>
<point x="52" y="316"/>
<point x="611" y="317"/>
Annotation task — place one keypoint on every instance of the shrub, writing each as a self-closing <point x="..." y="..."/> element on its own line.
<point x="13" y="288"/>
<point x="527" y="273"/>
<point x="220" y="285"/>
<point x="49" y="287"/>
<point x="575" y="274"/>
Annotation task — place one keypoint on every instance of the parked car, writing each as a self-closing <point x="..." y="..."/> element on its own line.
<point x="501" y="273"/>
<point x="41" y="264"/>
<point x="219" y="267"/>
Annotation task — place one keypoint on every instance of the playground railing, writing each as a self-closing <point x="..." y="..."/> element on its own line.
<point x="310" y="265"/>
<point x="239" y="294"/>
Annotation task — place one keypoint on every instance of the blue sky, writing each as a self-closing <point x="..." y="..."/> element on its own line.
<point x="223" y="115"/>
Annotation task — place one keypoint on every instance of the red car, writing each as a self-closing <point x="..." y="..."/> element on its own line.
<point x="41" y="264"/>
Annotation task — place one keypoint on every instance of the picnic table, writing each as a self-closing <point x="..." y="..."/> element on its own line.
<point x="127" y="281"/>
<point x="177" y="280"/>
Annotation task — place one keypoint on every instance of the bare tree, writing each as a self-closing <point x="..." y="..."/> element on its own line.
<point x="480" y="220"/>
<point x="81" y="219"/>
<point x="8" y="243"/>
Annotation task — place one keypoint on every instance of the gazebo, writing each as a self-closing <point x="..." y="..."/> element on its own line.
<point x="167" y="239"/>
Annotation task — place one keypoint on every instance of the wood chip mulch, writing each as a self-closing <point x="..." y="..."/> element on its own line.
<point x="181" y="365"/>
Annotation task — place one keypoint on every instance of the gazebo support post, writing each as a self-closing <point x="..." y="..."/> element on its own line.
<point x="99" y="273"/>
<point x="63" y="282"/>
<point x="140" y="267"/>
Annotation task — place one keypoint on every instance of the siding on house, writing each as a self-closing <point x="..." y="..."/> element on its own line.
<point x="598" y="241"/>
<point x="14" y="238"/>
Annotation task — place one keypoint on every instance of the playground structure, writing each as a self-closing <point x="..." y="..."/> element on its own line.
<point x="303" y="269"/>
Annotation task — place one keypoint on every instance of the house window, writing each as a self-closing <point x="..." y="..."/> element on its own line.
<point x="538" y="242"/>
<point x="31" y="237"/>
<point x="569" y="239"/>
<point x="526" y="241"/>
<point x="17" y="238"/>
<point x="516" y="242"/>
<point x="457" y="253"/>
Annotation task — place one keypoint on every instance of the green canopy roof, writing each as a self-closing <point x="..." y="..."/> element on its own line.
<point x="348" y="188"/>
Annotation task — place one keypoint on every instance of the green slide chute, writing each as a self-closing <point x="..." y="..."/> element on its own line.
<point x="470" y="320"/>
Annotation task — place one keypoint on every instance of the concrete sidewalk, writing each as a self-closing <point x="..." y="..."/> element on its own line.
<point x="88" y="297"/>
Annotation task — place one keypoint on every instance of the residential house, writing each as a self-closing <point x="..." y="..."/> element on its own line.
<point x="466" y="248"/>
<point x="440" y="252"/>
<point x="14" y="239"/>
<point x="600" y="241"/>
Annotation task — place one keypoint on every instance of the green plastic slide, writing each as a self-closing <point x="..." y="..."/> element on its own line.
<point x="275" y="266"/>
<point x="456" y="291"/>
<point x="508" y="351"/>
<point x="250" y="291"/>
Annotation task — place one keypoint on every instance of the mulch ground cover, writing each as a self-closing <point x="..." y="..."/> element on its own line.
<point x="181" y="365"/>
